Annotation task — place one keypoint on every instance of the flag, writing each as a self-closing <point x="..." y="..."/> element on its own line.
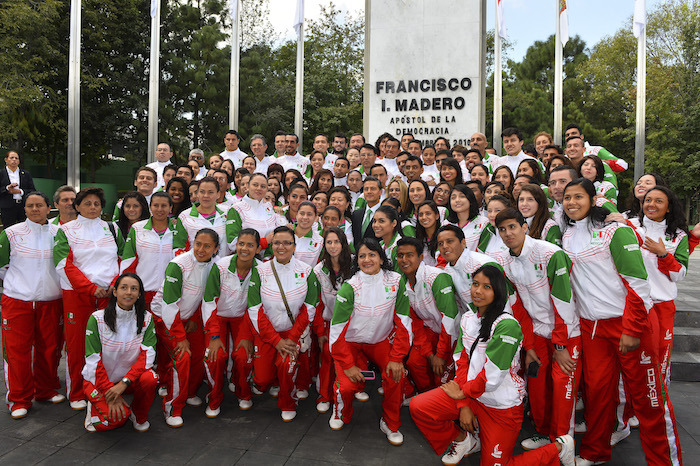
<point x="233" y="9"/>
<point x="154" y="8"/>
<point x="501" y="19"/>
<point x="563" y="22"/>
<point x="299" y="17"/>
<point x="640" y="17"/>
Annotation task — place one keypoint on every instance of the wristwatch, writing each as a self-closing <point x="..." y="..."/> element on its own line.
<point x="559" y="347"/>
<point x="126" y="381"/>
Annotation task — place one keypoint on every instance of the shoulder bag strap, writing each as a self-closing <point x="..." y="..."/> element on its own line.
<point x="284" y="298"/>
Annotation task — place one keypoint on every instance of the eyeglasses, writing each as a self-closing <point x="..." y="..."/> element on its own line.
<point x="277" y="244"/>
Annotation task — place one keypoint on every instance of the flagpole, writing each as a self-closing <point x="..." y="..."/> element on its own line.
<point x="73" y="156"/>
<point x="497" y="86"/>
<point x="299" y="99"/>
<point x="154" y="81"/>
<point x="640" y="136"/>
<point x="558" y="78"/>
<point x="234" y="86"/>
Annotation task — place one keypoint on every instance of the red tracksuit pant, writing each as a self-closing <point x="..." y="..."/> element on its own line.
<point x="241" y="366"/>
<point x="553" y="393"/>
<point x="345" y="389"/>
<point x="144" y="390"/>
<point x="269" y="367"/>
<point x="420" y="372"/>
<point x="665" y="316"/>
<point x="602" y="363"/>
<point x="163" y="366"/>
<point x="28" y="326"/>
<point x="434" y="413"/>
<point x="77" y="309"/>
<point x="326" y="371"/>
<point x="187" y="372"/>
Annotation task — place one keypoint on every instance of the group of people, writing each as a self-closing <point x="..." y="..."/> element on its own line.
<point x="465" y="280"/>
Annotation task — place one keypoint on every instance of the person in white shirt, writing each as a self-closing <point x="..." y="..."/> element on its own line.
<point x="321" y="144"/>
<point x="258" y="146"/>
<point x="292" y="146"/>
<point x="389" y="160"/>
<point x="14" y="184"/>
<point x="340" y="171"/>
<point x="232" y="152"/>
<point x="198" y="156"/>
<point x="63" y="200"/>
<point x="513" y="145"/>
<point x="163" y="156"/>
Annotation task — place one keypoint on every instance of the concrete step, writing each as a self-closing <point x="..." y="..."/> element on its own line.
<point x="686" y="339"/>
<point x="685" y="366"/>
<point x="686" y="316"/>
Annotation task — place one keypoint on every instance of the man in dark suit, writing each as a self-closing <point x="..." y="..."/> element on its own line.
<point x="362" y="218"/>
<point x="14" y="184"/>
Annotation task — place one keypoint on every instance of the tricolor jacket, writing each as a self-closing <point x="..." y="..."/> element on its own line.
<point x="147" y="254"/>
<point x="190" y="222"/>
<point x="250" y="213"/>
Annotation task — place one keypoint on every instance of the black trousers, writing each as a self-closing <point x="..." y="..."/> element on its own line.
<point x="12" y="215"/>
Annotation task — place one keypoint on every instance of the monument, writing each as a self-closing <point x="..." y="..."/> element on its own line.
<point x="424" y="69"/>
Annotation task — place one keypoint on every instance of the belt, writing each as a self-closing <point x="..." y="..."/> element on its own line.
<point x="17" y="201"/>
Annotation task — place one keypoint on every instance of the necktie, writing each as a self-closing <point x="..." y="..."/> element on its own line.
<point x="365" y="222"/>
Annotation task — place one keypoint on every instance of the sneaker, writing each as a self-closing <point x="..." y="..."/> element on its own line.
<point x="173" y="421"/>
<point x="580" y="427"/>
<point x="274" y="392"/>
<point x="406" y="401"/>
<point x="619" y="435"/>
<point x="633" y="422"/>
<point x="394" y="438"/>
<point x="580" y="461"/>
<point x="288" y="416"/>
<point x="568" y="450"/>
<point x="245" y="405"/>
<point x="323" y="407"/>
<point x="232" y="387"/>
<point x="458" y="450"/>
<point x="78" y="405"/>
<point x="212" y="413"/>
<point x="361" y="396"/>
<point x="57" y="399"/>
<point x="139" y="427"/>
<point x="255" y="390"/>
<point x="579" y="404"/>
<point x="90" y="428"/>
<point x="380" y="390"/>
<point x="335" y="422"/>
<point x="302" y="394"/>
<point x="19" y="413"/>
<point x="163" y="391"/>
<point x="194" y="401"/>
<point x="534" y="442"/>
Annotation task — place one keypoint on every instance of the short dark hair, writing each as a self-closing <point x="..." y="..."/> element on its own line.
<point x="370" y="147"/>
<point x="188" y="168"/>
<point x="251" y="231"/>
<point x="171" y="166"/>
<point x="411" y="241"/>
<point x="211" y="179"/>
<point x="572" y="171"/>
<point x="284" y="229"/>
<point x="556" y="147"/>
<point x="474" y="151"/>
<point x="358" y="134"/>
<point x="477" y="183"/>
<point x="378" y="165"/>
<point x="416" y="141"/>
<point x="512" y="132"/>
<point x="573" y="126"/>
<point x="90" y="190"/>
<point x="279" y="132"/>
<point x="212" y="234"/>
<point x="509" y="214"/>
<point x="454" y="229"/>
<point x="571" y="138"/>
<point x="444" y="139"/>
<point x="373" y="245"/>
<point x="342" y="159"/>
<point x="162" y="194"/>
<point x="37" y="193"/>
<point x="147" y="169"/>
<point x="371" y="178"/>
<point x="413" y="158"/>
<point x="340" y="135"/>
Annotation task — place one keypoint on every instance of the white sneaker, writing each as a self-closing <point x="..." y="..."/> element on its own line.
<point x="619" y="435"/>
<point x="394" y="438"/>
<point x="579" y="404"/>
<point x="458" y="450"/>
<point x="568" y="450"/>
<point x="288" y="416"/>
<point x="232" y="387"/>
<point x="78" y="405"/>
<point x="323" y="407"/>
<point x="302" y="394"/>
<point x="245" y="405"/>
<point x="580" y="427"/>
<point x="579" y="461"/>
<point x="534" y="442"/>
<point x="406" y="401"/>
<point x="173" y="421"/>
<point x="633" y="422"/>
<point x="163" y="391"/>
<point x="139" y="427"/>
<point x="19" y="413"/>
<point x="90" y="428"/>
<point x="212" y="413"/>
<point x="57" y="399"/>
<point x="194" y="401"/>
<point x="255" y="390"/>
<point x="274" y="391"/>
<point x="361" y="396"/>
<point x="335" y="422"/>
<point x="380" y="390"/>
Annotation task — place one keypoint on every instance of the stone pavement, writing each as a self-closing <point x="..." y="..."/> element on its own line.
<point x="54" y="434"/>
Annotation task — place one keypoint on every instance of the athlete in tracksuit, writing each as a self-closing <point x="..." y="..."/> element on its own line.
<point x="273" y="326"/>
<point x="176" y="307"/>
<point x="257" y="214"/>
<point x="539" y="272"/>
<point x="86" y="254"/>
<point x="368" y="310"/>
<point x="612" y="293"/>
<point x="191" y="221"/>
<point x="225" y="315"/>
<point x="32" y="314"/>
<point x="125" y="356"/>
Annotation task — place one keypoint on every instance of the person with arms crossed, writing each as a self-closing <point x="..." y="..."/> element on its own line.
<point x="15" y="182"/>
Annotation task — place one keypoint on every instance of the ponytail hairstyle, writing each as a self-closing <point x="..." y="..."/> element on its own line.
<point x="596" y="214"/>
<point x="500" y="298"/>
<point x="139" y="305"/>
<point x="392" y="214"/>
<point x="675" y="217"/>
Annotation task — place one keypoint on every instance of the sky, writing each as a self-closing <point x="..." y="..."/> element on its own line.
<point x="526" y="20"/>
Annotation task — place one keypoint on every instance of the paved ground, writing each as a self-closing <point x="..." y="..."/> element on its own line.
<point x="54" y="434"/>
